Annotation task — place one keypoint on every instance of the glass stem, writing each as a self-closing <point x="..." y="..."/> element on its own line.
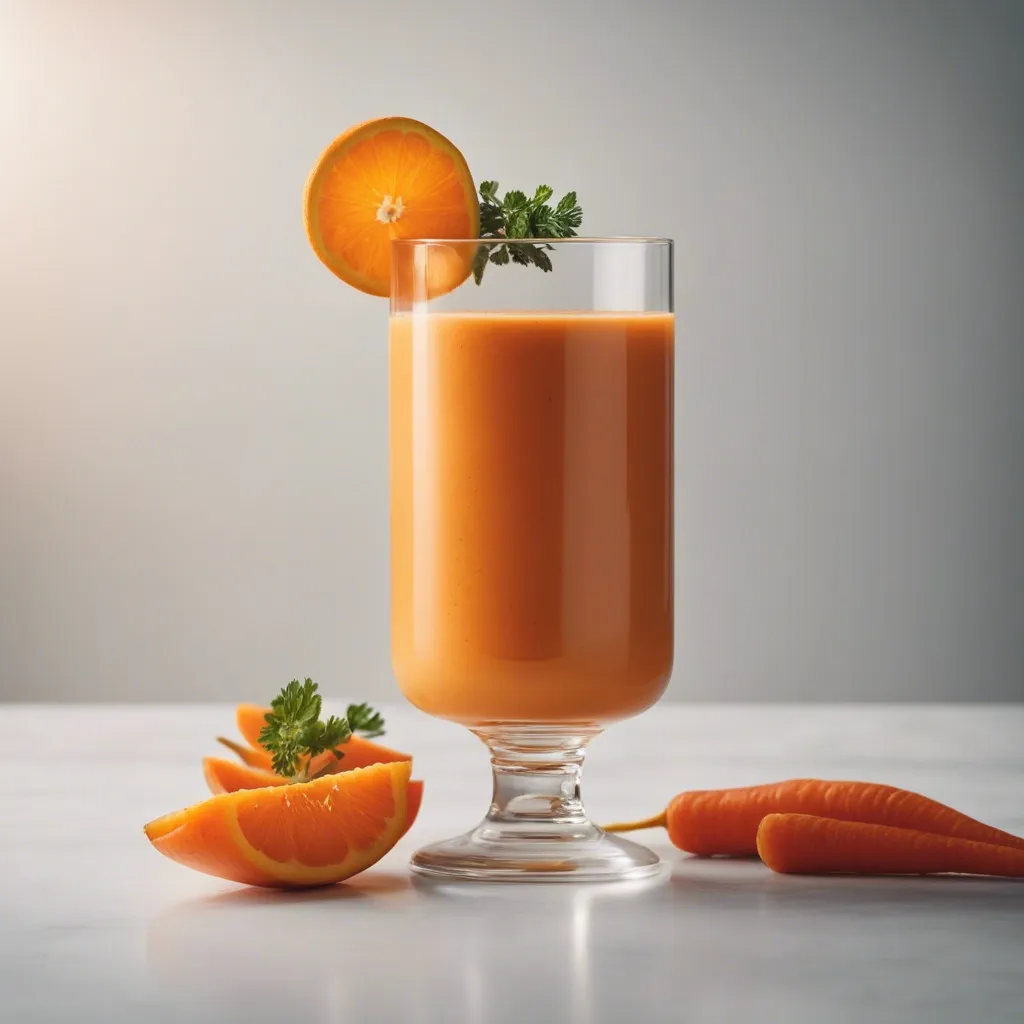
<point x="537" y="772"/>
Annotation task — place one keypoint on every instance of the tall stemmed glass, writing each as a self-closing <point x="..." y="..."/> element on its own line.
<point x="531" y="526"/>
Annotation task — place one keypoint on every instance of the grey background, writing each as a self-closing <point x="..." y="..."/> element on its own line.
<point x="193" y="490"/>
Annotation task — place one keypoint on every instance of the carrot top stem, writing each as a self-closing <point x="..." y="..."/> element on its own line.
<point x="657" y="821"/>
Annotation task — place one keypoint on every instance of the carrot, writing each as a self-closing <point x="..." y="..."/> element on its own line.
<point x="808" y="845"/>
<point x="725" y="821"/>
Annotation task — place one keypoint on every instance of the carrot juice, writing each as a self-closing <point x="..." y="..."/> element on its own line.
<point x="531" y="514"/>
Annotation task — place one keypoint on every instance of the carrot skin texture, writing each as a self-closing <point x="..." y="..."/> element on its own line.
<point x="725" y="821"/>
<point x="808" y="845"/>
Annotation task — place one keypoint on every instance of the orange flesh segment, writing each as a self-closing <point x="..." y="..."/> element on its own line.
<point x="304" y="834"/>
<point x="228" y="777"/>
<point x="295" y="824"/>
<point x="352" y="210"/>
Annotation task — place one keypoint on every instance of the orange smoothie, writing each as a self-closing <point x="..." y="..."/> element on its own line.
<point x="531" y="514"/>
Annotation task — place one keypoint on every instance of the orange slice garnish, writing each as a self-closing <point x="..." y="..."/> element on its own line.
<point x="309" y="833"/>
<point x="389" y="178"/>
<point x="229" y="776"/>
<point x="358" y="752"/>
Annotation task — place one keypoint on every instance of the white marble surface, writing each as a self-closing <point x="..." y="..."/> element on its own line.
<point x="96" y="926"/>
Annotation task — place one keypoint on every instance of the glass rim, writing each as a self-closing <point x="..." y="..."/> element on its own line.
<point x="576" y="240"/>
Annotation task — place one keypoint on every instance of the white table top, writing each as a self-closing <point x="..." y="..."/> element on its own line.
<point x="96" y="926"/>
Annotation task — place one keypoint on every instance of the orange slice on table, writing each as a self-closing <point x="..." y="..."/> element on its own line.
<point x="229" y="777"/>
<point x="390" y="178"/>
<point x="309" y="833"/>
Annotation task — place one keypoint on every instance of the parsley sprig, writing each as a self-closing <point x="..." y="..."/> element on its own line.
<point x="294" y="732"/>
<point x="518" y="216"/>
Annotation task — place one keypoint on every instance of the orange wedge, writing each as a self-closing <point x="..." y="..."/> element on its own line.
<point x="250" y="719"/>
<point x="413" y="802"/>
<point x="229" y="777"/>
<point x="358" y="752"/>
<point x="390" y="178"/>
<point x="254" y="758"/>
<point x="309" y="833"/>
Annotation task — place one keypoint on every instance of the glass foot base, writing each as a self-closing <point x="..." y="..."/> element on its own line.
<point x="554" y="853"/>
<point x="536" y="829"/>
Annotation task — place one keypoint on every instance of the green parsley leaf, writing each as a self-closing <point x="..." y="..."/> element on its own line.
<point x="519" y="216"/>
<point x="294" y="732"/>
<point x="365" y="721"/>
